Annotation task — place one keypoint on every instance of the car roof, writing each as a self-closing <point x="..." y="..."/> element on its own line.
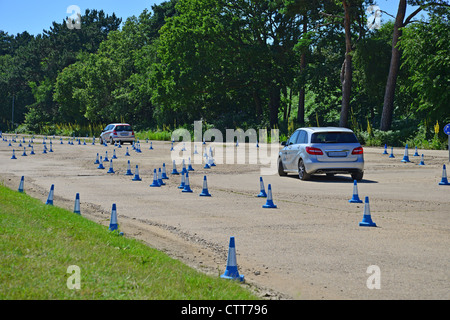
<point x="326" y="129"/>
<point x="119" y="124"/>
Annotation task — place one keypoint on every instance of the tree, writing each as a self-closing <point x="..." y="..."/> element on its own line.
<point x="425" y="51"/>
<point x="401" y="21"/>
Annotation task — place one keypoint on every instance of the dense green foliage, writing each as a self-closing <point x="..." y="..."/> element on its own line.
<point x="233" y="64"/>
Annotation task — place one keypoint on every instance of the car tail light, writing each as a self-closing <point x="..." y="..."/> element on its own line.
<point x="358" y="150"/>
<point x="115" y="132"/>
<point x="314" y="151"/>
<point x="132" y="132"/>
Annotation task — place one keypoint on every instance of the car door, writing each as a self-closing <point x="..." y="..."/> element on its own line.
<point x="298" y="147"/>
<point x="104" y="133"/>
<point x="290" y="151"/>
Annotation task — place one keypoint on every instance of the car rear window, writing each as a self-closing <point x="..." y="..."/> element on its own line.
<point x="123" y="128"/>
<point x="334" y="137"/>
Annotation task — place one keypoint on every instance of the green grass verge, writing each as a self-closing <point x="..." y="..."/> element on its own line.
<point x="39" y="242"/>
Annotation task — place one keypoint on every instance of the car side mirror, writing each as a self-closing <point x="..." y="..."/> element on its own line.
<point x="283" y="143"/>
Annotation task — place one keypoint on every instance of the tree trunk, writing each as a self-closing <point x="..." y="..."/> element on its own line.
<point x="301" y="94"/>
<point x="346" y="72"/>
<point x="388" y="105"/>
<point x="274" y="104"/>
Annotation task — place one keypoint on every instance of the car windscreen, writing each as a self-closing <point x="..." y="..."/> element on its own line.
<point x="334" y="137"/>
<point x="123" y="128"/>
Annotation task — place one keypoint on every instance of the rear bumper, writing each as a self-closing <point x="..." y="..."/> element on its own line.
<point x="124" y="139"/>
<point x="314" y="166"/>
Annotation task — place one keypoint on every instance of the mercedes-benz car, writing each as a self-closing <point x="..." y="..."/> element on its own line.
<point x="117" y="132"/>
<point x="326" y="150"/>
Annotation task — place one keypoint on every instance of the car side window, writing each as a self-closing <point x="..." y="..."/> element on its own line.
<point x="302" y="137"/>
<point x="293" y="138"/>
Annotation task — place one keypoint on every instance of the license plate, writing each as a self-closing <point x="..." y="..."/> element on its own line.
<point x="124" y="134"/>
<point x="337" y="154"/>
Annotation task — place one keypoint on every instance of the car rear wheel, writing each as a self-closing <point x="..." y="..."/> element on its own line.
<point x="302" y="171"/>
<point x="281" y="172"/>
<point x="358" y="175"/>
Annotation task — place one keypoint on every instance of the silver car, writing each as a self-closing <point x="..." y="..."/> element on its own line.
<point x="329" y="150"/>
<point x="117" y="132"/>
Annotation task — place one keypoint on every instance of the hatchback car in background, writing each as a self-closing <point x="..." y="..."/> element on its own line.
<point x="117" y="132"/>
<point x="327" y="150"/>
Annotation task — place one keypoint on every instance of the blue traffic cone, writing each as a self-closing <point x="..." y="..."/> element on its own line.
<point x="96" y="160"/>
<point x="189" y="165"/>
<point x="181" y="186"/>
<point x="416" y="154"/>
<point x="106" y="157"/>
<point x="128" y="173"/>
<point x="171" y="148"/>
<point x="207" y="166"/>
<point x="174" y="170"/>
<point x="24" y="154"/>
<point x="421" y="163"/>
<point x="195" y="149"/>
<point x="136" y="175"/>
<point x="367" y="219"/>
<point x="155" y="180"/>
<point x="160" y="181"/>
<point x="114" y="154"/>
<point x="45" y="149"/>
<point x="444" y="180"/>
<point x="205" y="192"/>
<point x="21" y="184"/>
<point x="32" y="150"/>
<point x="183" y="167"/>
<point x="231" y="271"/>
<point x="392" y="153"/>
<point x="262" y="192"/>
<point x="113" y="222"/>
<point x="13" y="155"/>
<point x="355" y="198"/>
<point x="110" y="170"/>
<point x="100" y="164"/>
<point x="76" y="208"/>
<point x="151" y="146"/>
<point x="50" y="195"/>
<point x="163" y="173"/>
<point x="405" y="156"/>
<point x="127" y="153"/>
<point x="187" y="187"/>
<point x="385" y="149"/>
<point x="269" y="202"/>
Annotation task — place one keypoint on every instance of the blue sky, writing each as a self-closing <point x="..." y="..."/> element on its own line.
<point x="34" y="16"/>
